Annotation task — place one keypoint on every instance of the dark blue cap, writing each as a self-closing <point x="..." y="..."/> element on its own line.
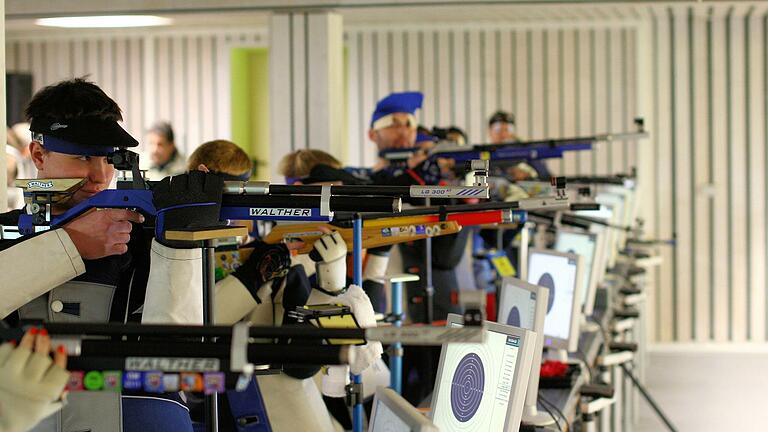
<point x="60" y="145"/>
<point x="406" y="102"/>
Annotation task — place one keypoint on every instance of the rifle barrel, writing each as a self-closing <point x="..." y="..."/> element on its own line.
<point x="337" y="203"/>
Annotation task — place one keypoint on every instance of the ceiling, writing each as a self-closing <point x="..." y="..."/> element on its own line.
<point x="20" y="14"/>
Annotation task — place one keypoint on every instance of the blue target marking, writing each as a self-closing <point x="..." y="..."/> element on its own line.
<point x="546" y="281"/>
<point x="513" y="318"/>
<point x="467" y="387"/>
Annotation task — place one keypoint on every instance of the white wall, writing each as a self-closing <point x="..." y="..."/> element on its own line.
<point x="709" y="100"/>
<point x="182" y="77"/>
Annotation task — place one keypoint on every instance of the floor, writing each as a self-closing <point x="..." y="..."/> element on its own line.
<point x="704" y="389"/>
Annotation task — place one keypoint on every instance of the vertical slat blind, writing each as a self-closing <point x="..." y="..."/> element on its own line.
<point x="175" y="76"/>
<point x="709" y="121"/>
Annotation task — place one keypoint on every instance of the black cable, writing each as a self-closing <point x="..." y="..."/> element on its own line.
<point x="551" y="414"/>
<point x="648" y="398"/>
<point x="559" y="412"/>
<point x="603" y="331"/>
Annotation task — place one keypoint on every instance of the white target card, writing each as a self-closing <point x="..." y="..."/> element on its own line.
<point x="481" y="387"/>
<point x="587" y="246"/>
<point x="517" y="306"/>
<point x="559" y="272"/>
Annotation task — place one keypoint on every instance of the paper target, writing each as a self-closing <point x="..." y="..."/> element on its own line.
<point x="556" y="272"/>
<point x="513" y="318"/>
<point x="547" y="281"/>
<point x="467" y="387"/>
<point x="474" y="385"/>
<point x="584" y="245"/>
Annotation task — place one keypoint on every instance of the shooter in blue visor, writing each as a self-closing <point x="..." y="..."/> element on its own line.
<point x="103" y="266"/>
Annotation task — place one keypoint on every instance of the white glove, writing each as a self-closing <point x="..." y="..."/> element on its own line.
<point x="360" y="304"/>
<point x="332" y="265"/>
<point x="335" y="380"/>
<point x="30" y="386"/>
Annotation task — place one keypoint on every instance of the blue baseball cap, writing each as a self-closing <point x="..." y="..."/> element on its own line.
<point x="405" y="102"/>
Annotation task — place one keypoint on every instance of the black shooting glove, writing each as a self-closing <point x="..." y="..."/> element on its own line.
<point x="267" y="262"/>
<point x="295" y="294"/>
<point x="187" y="201"/>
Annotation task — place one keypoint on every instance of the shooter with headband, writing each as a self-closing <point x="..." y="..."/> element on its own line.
<point x="105" y="266"/>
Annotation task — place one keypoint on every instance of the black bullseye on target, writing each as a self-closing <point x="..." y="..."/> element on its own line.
<point x="467" y="387"/>
<point x="514" y="317"/>
<point x="546" y="281"/>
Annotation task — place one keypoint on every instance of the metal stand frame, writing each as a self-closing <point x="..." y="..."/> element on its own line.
<point x="209" y="286"/>
<point x="357" y="256"/>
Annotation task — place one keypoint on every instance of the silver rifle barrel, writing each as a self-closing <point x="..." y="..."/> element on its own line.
<point x="417" y="191"/>
<point x="246" y="188"/>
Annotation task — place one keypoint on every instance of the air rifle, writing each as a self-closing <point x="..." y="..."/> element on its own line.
<point x="241" y="200"/>
<point x="113" y="346"/>
<point x="518" y="150"/>
<point x="415" y="224"/>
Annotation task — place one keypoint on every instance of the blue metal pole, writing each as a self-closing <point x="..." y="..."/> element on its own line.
<point x="357" y="254"/>
<point x="396" y="359"/>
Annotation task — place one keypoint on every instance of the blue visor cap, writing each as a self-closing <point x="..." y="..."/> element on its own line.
<point x="406" y="102"/>
<point x="85" y="136"/>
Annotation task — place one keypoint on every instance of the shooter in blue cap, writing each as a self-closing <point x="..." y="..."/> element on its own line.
<point x="393" y="124"/>
<point x="394" y="127"/>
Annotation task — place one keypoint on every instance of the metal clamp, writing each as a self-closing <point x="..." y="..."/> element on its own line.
<point x="393" y="351"/>
<point x="9" y="232"/>
<point x="615" y="359"/>
<point x="481" y="168"/>
<point x="354" y="394"/>
<point x="325" y="201"/>
<point x="473" y="317"/>
<point x="558" y="183"/>
<point x="246" y="188"/>
<point x="545" y="203"/>
<point x="238" y="355"/>
<point x="73" y="345"/>
<point x="593" y="406"/>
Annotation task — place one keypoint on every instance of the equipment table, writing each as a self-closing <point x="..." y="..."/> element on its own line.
<point x="567" y="399"/>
